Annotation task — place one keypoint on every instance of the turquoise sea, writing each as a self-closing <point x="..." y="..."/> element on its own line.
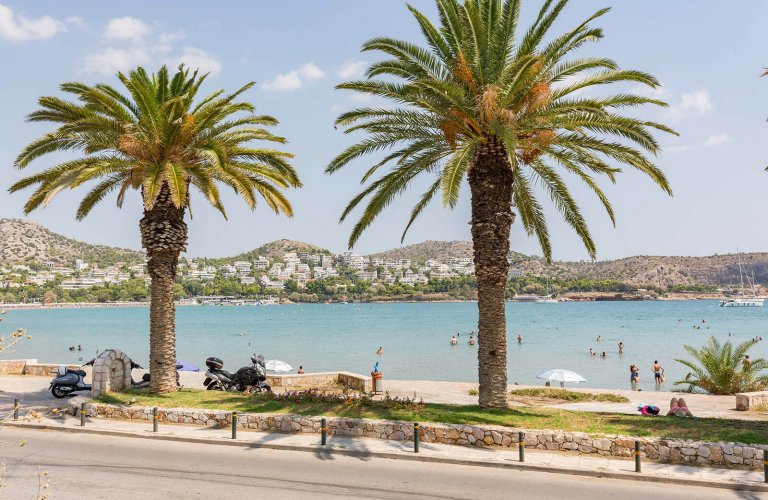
<point x="414" y="336"/>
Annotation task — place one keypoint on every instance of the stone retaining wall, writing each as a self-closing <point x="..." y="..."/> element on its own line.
<point x="327" y="380"/>
<point x="30" y="367"/>
<point x="656" y="449"/>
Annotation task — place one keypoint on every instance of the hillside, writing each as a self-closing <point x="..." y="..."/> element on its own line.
<point x="272" y="250"/>
<point x="440" y="250"/>
<point x="23" y="241"/>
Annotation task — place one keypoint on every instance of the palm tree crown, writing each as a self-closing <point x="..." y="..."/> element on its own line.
<point x="478" y="82"/>
<point x="720" y="368"/>
<point x="157" y="137"/>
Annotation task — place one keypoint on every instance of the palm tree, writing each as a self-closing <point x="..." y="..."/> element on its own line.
<point x="162" y="141"/>
<point x="500" y="108"/>
<point x="721" y="369"/>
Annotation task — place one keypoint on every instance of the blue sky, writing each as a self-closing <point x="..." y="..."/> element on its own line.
<point x="708" y="57"/>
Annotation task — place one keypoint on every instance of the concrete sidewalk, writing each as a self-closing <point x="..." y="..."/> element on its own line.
<point x="535" y="460"/>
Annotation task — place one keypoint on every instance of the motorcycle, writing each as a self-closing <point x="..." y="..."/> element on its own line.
<point x="251" y="378"/>
<point x="68" y="382"/>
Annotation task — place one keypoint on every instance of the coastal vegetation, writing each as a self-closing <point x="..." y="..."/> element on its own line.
<point x="704" y="429"/>
<point x="498" y="107"/>
<point x="723" y="369"/>
<point x="549" y="393"/>
<point x="162" y="141"/>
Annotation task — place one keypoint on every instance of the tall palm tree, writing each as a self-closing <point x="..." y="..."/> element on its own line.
<point x="720" y="368"/>
<point x="162" y="141"/>
<point x="499" y="107"/>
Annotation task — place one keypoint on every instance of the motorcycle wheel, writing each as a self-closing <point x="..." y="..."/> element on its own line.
<point x="214" y="386"/>
<point x="58" y="392"/>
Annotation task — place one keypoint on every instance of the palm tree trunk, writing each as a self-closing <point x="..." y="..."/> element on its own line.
<point x="164" y="237"/>
<point x="490" y="181"/>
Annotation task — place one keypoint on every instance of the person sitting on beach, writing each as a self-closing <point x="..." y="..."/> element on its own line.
<point x="678" y="408"/>
<point x="471" y="340"/>
<point x="454" y="340"/>
<point x="301" y="370"/>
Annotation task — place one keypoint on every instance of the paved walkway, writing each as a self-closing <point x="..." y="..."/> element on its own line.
<point x="534" y="459"/>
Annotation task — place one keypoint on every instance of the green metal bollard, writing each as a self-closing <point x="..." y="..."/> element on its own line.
<point x="82" y="414"/>
<point x="323" y="432"/>
<point x="154" y="419"/>
<point x="521" y="445"/>
<point x="15" y="409"/>
<point x="415" y="437"/>
<point x="234" y="425"/>
<point x="637" y="456"/>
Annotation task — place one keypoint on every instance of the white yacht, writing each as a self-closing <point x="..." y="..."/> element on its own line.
<point x="547" y="299"/>
<point x="742" y="301"/>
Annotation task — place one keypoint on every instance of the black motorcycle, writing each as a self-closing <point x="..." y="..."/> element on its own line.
<point x="251" y="378"/>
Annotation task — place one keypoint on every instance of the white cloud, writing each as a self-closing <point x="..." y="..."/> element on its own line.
<point x="126" y="28"/>
<point x="137" y="44"/>
<point x="293" y="80"/>
<point x="696" y="103"/>
<point x="352" y="69"/>
<point x="111" y="60"/>
<point x="199" y="59"/>
<point x="164" y="44"/>
<point x="310" y="71"/>
<point x="76" y="21"/>
<point x="17" y="28"/>
<point x="717" y="140"/>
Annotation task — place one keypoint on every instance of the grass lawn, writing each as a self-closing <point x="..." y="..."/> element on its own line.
<point x="701" y="429"/>
<point x="565" y="395"/>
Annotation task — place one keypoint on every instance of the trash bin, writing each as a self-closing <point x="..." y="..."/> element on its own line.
<point x="376" y="382"/>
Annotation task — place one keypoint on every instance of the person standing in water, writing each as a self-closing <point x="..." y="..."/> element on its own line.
<point x="519" y="339"/>
<point x="380" y="351"/>
<point x="592" y="352"/>
<point x="621" y="347"/>
<point x="658" y="372"/>
<point x="471" y="340"/>
<point x="454" y="340"/>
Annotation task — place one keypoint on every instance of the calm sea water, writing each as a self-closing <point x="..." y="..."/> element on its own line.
<point x="415" y="337"/>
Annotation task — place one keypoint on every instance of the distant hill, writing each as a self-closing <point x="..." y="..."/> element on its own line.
<point x="23" y="241"/>
<point x="440" y="250"/>
<point x="272" y="250"/>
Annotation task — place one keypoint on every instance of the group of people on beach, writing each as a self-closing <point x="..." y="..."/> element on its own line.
<point x="656" y="368"/>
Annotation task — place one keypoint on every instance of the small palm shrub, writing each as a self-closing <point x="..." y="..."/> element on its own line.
<point x="720" y="369"/>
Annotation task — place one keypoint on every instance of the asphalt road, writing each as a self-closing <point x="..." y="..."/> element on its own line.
<point x="93" y="466"/>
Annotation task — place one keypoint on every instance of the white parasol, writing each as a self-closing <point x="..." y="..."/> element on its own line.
<point x="275" y="365"/>
<point x="561" y="375"/>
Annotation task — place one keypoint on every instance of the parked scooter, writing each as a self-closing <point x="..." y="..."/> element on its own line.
<point x="252" y="378"/>
<point x="68" y="382"/>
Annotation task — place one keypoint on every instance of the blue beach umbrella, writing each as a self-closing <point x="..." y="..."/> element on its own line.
<point x="186" y="367"/>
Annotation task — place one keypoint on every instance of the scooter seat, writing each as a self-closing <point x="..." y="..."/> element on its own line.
<point x="77" y="372"/>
